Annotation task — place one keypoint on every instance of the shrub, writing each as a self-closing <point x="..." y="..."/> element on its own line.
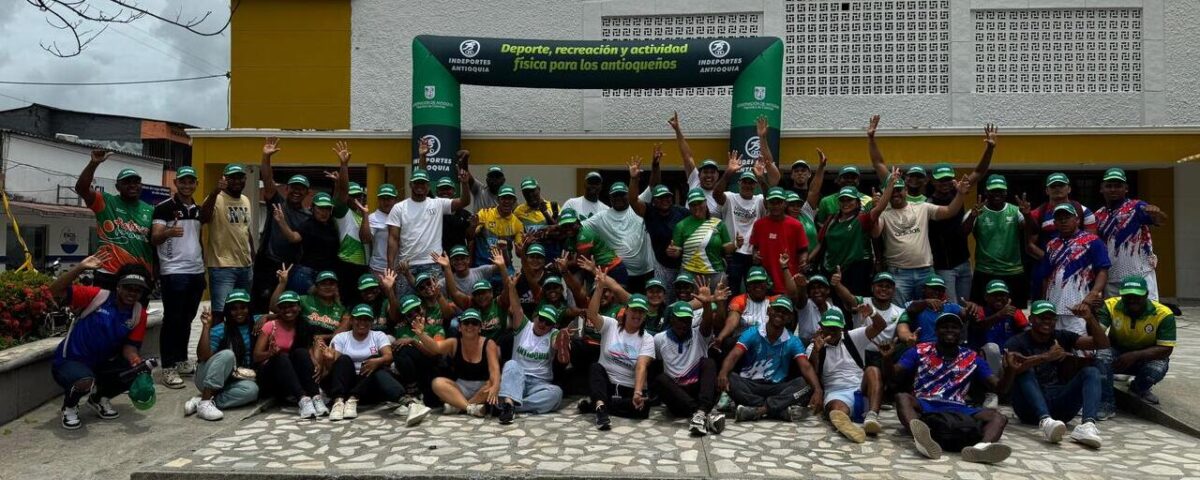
<point x="25" y="300"/>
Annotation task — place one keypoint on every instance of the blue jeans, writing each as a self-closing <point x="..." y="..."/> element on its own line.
<point x="958" y="281"/>
<point x="105" y="377"/>
<point x="1031" y="402"/>
<point x="214" y="374"/>
<point x="301" y="279"/>
<point x="529" y="394"/>
<point x="181" y="295"/>
<point x="910" y="283"/>
<point x="1146" y="374"/>
<point x="222" y="280"/>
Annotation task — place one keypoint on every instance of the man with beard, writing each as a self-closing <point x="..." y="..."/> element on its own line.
<point x="497" y="227"/>
<point x="415" y="226"/>
<point x="536" y="213"/>
<point x="703" y="178"/>
<point x="589" y="204"/>
<point x="621" y="227"/>
<point x="275" y="249"/>
<point x="230" y="249"/>
<point x="122" y="221"/>
<point x="660" y="218"/>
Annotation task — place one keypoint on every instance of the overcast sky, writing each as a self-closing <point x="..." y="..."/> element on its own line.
<point x="146" y="49"/>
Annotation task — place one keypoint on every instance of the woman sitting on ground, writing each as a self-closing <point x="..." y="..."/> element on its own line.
<point x="284" y="366"/>
<point x="360" y="368"/>
<point x="474" y="364"/>
<point x="224" y="352"/>
<point x="617" y="380"/>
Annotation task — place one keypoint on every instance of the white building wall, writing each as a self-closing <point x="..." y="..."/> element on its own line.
<point x="34" y="168"/>
<point x="1187" y="230"/>
<point x="381" y="72"/>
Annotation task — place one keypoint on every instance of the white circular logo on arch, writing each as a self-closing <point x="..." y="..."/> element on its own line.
<point x="718" y="48"/>
<point x="435" y="144"/>
<point x="753" y="147"/>
<point x="469" y="48"/>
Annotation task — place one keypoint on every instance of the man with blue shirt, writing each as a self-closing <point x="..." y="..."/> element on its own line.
<point x="917" y="323"/>
<point x="761" y="356"/>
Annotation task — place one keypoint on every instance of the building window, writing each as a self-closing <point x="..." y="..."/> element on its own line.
<point x="867" y="47"/>
<point x="665" y="27"/>
<point x="1087" y="50"/>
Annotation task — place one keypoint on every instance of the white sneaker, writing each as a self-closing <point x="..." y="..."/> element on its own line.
<point x="186" y="367"/>
<point x="871" y="423"/>
<point x="923" y="440"/>
<point x="1086" y="434"/>
<point x="351" y="409"/>
<point x="189" y="407"/>
<point x="338" y="411"/>
<point x="319" y="405"/>
<point x="70" y="418"/>
<point x="307" y="410"/>
<point x="991" y="400"/>
<point x="416" y="413"/>
<point x="103" y="407"/>
<point x="207" y="410"/>
<point x="477" y="410"/>
<point x="984" y="452"/>
<point x="448" y="409"/>
<point x="1052" y="430"/>
<point x="171" y="378"/>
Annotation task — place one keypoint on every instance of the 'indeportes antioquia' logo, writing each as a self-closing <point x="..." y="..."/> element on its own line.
<point x="469" y="48"/>
<point x="718" y="48"/>
<point x="753" y="147"/>
<point x="435" y="144"/>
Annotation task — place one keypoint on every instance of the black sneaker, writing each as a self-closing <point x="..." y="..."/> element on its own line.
<point x="1148" y="397"/>
<point x="507" y="412"/>
<point x="585" y="406"/>
<point x="103" y="407"/>
<point x="603" y="423"/>
<point x="70" y="418"/>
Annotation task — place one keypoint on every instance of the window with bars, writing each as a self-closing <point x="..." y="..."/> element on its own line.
<point x="867" y="47"/>
<point x="1086" y="50"/>
<point x="665" y="27"/>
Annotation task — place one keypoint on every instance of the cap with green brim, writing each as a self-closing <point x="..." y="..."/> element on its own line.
<point x="1134" y="285"/>
<point x="548" y="312"/>
<point x="899" y="183"/>
<point x="367" y="281"/>
<point x="935" y="281"/>
<point x="695" y="195"/>
<point x="459" y="251"/>
<point x="185" y="172"/>
<point x="237" y="296"/>
<point x="298" y="180"/>
<point x="128" y="173"/>
<point x="947" y="316"/>
<point x="387" y="190"/>
<point x="884" y="277"/>
<point x="553" y="279"/>
<point x="793" y="197"/>
<point x="1115" y="175"/>
<point x="354" y="189"/>
<point x="776" y="193"/>
<point x="234" y="169"/>
<point x="536" y="249"/>
<point x="943" y="171"/>
<point x="756" y="274"/>
<point x="326" y="275"/>
<point x="916" y="170"/>
<point x="833" y="318"/>
<point x="708" y="163"/>
<point x="848" y="170"/>
<point x="445" y="182"/>
<point x="409" y="303"/>
<point x="506" y="191"/>
<point x="419" y="175"/>
<point x="1042" y="306"/>
<point x="682" y="310"/>
<point x="481" y="285"/>
<point x="996" y="182"/>
<point x="1066" y="207"/>
<point x="783" y="302"/>
<point x="495" y="170"/>
<point x="141" y="392"/>
<point x="685" y="277"/>
<point x="322" y="200"/>
<point x="800" y="163"/>
<point x="618" y="188"/>
<point x="363" y="310"/>
<point x="568" y="216"/>
<point x="660" y="191"/>
<point x="288" y="297"/>
<point x="470" y="315"/>
<point x="528" y="183"/>
<point x="1057" y="177"/>
<point x="747" y="176"/>
<point x="655" y="283"/>
<point x="996" y="286"/>
<point x="423" y="277"/>
<point x="639" y="302"/>
<point x="818" y="279"/>
<point x="593" y="176"/>
<point x="848" y="192"/>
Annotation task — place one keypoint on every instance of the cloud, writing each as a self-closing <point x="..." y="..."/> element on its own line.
<point x="146" y="49"/>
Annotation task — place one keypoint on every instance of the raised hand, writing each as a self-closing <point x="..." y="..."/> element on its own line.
<point x="703" y="292"/>
<point x="98" y="260"/>
<point x="1082" y="310"/>
<point x="497" y="257"/>
<point x="440" y="259"/>
<point x="864" y="310"/>
<point x="783" y="260"/>
<point x="284" y="271"/>
<point x="332" y="176"/>
<point x="402" y="268"/>
<point x="205" y="317"/>
<point x="674" y="122"/>
<point x="673" y="250"/>
<point x="1055" y="353"/>
<point x="989" y="134"/>
<point x="635" y="166"/>
<point x="99" y="156"/>
<point x="1023" y="204"/>
<point x="836" y="279"/>
<point x="978" y="206"/>
<point x="277" y="213"/>
<point x="387" y="279"/>
<point x="963" y="185"/>
<point x="1009" y="310"/>
<point x="800" y="280"/>
<point x="222" y="183"/>
<point x="424" y="146"/>
<point x="271" y="146"/>
<point x="822" y="160"/>
<point x="657" y="154"/>
<point x="761" y="127"/>
<point x="735" y="161"/>
<point x="462" y="156"/>
<point x="563" y="262"/>
<point x="586" y="264"/>
<point x="760" y="167"/>
<point x="873" y="126"/>
<point x="723" y="292"/>
<point x="342" y="149"/>
<point x="464" y="176"/>
<point x="935" y="304"/>
<point x="359" y="206"/>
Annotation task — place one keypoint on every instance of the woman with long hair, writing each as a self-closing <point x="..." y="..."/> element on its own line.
<point x="474" y="366"/>
<point x="617" y="381"/>
<point x="283" y="366"/>
<point x="224" y="353"/>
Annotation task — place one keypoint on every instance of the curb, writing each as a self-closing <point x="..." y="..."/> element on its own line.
<point x="1127" y="402"/>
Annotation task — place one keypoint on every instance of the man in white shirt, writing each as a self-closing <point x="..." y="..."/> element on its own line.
<point x="688" y="382"/>
<point x="589" y="204"/>
<point x="415" y="227"/>
<point x="838" y="356"/>
<point x="705" y="177"/>
<point x="625" y="231"/>
<point x="883" y="288"/>
<point x="374" y="231"/>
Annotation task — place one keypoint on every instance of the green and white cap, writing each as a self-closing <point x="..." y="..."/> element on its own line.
<point x="685" y="277"/>
<point x="298" y="180"/>
<point x="818" y="279"/>
<point x="756" y="274"/>
<point x="800" y="163"/>
<point x="288" y="297"/>
<point x="528" y="183"/>
<point x="236" y="296"/>
<point x="233" y="169"/>
<point x="708" y="163"/>
<point x="661" y="190"/>
<point x="996" y="286"/>
<point x="948" y="316"/>
<point x="682" y="310"/>
<point x="387" y="190"/>
<point x="470" y="315"/>
<point x="593" y="175"/>
<point x="495" y="170"/>
<point x="833" y="318"/>
<point x="639" y="302"/>
<point x="1057" y="177"/>
<point x="916" y="170"/>
<point x="536" y="249"/>
<point x="363" y="310"/>
<point x="996" y="182"/>
<point x="1134" y="285"/>
<point x="793" y="197"/>
<point x="185" y="172"/>
<point x="506" y="191"/>
<point x="776" y="193"/>
<point x="127" y="173"/>
<point x="568" y="216"/>
<point x="618" y="188"/>
<point x="783" y="302"/>
<point x="548" y="312"/>
<point x="943" y="171"/>
<point x="1066" y="207"/>
<point x="459" y="251"/>
<point x="935" y="281"/>
<point x="419" y="175"/>
<point x="553" y="279"/>
<point x="1042" y="306"/>
<point x="445" y="182"/>
<point x="747" y="176"/>
<point x="696" y="195"/>
<point x="366" y="281"/>
<point x="481" y="285"/>
<point x="1115" y="175"/>
<point x="423" y="277"/>
<point x="655" y="283"/>
<point x="354" y="189"/>
<point x="848" y="192"/>
<point x="884" y="277"/>
<point x="326" y="275"/>
<point x="408" y="303"/>
<point x="322" y="200"/>
<point x="848" y="170"/>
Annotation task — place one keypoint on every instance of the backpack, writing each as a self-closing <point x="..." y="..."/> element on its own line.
<point x="849" y="347"/>
<point x="953" y="431"/>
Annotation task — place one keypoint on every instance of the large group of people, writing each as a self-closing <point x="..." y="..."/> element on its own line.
<point x="747" y="293"/>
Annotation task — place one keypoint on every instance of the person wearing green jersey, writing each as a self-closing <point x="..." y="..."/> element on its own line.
<point x="846" y="238"/>
<point x="376" y="292"/>
<point x="123" y="221"/>
<point x="585" y="240"/>
<point x="702" y="242"/>
<point x="999" y="229"/>
<point x="349" y="208"/>
<point x="414" y="363"/>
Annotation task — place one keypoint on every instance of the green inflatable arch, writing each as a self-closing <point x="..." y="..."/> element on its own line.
<point x="754" y="66"/>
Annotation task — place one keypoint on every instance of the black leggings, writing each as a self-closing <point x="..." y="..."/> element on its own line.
<point x="416" y="368"/>
<point x="684" y="400"/>
<point x="379" y="386"/>
<point x="619" y="399"/>
<point x="290" y="374"/>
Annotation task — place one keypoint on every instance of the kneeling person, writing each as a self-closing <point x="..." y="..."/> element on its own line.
<point x="838" y="356"/>
<point x="761" y="355"/>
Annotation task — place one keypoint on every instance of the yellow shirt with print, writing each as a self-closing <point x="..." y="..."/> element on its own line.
<point x="1155" y="327"/>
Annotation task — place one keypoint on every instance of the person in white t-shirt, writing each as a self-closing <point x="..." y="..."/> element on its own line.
<point x="883" y="288"/>
<point x="415" y="227"/>
<point x="525" y="382"/>
<point x="360" y="367"/>
<point x="589" y="203"/>
<point x="688" y="382"/>
<point x="705" y="177"/>
<point x="617" y="382"/>
<point x="739" y="212"/>
<point x="811" y="296"/>
<point x="374" y="231"/>
<point x="625" y="231"/>
<point x="839" y="358"/>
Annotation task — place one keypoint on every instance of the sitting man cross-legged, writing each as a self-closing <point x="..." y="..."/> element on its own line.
<point x="838" y="355"/>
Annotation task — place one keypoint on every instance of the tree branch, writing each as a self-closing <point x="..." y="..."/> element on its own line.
<point x="85" y="11"/>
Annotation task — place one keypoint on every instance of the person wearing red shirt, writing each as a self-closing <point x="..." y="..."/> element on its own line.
<point x="775" y="234"/>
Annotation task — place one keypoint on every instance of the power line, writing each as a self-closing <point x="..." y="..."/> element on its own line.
<point x="131" y="82"/>
<point x="159" y="50"/>
<point x="19" y="99"/>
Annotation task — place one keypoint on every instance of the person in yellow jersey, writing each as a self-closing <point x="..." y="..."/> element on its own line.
<point x="1142" y="337"/>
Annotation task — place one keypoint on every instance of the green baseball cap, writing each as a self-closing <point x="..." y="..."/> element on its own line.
<point x="128" y="173"/>
<point x="1042" y="306"/>
<point x="783" y="302"/>
<point x="325" y="275"/>
<point x="495" y="170"/>
<point x="899" y="183"/>
<point x="757" y="274"/>
<point x="884" y="277"/>
<point x="776" y="193"/>
<point x="682" y="310"/>
<point x="996" y="182"/>
<point x="685" y="277"/>
<point x="506" y="191"/>
<point x="548" y="312"/>
<point x="747" y="176"/>
<point x="1057" y="177"/>
<point x="536" y="249"/>
<point x="408" y="303"/>
<point x="708" y="163"/>
<point x="848" y="192"/>
<point x="996" y="286"/>
<point x="445" y="182"/>
<point x="1066" y="207"/>
<point x="555" y="279"/>
<point x="141" y="392"/>
<point x="419" y="175"/>
<point x="528" y="183"/>
<point x="818" y="279"/>
<point x="638" y="301"/>
<point x="618" y="188"/>
<point x="568" y="216"/>
<point x="322" y="200"/>
<point x="793" y="197"/>
<point x="362" y="310"/>
<point x="459" y="251"/>
<point x="237" y="296"/>
<point x="943" y="171"/>
<point x="367" y="281"/>
<point x="1115" y="174"/>
<point x="833" y="318"/>
<point x="470" y="315"/>
<point x="916" y="170"/>
<point x="848" y="170"/>
<point x="298" y="180"/>
<point x="354" y="189"/>
<point x="696" y="195"/>
<point x="387" y="190"/>
<point x="800" y="163"/>
<point x="593" y="175"/>
<point x="948" y="316"/>
<point x="935" y="281"/>
<point x="423" y="277"/>
<point x="234" y="169"/>
<point x="655" y="283"/>
<point x="184" y="172"/>
<point x="481" y="285"/>
<point x="1134" y="285"/>
<point x="288" y="297"/>
<point x="660" y="190"/>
